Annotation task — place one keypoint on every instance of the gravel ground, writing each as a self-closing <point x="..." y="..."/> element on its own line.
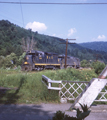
<point x="46" y="111"/>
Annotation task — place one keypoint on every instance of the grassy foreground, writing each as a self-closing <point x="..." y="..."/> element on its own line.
<point x="28" y="88"/>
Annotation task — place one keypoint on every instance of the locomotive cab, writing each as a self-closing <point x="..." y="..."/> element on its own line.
<point x="28" y="59"/>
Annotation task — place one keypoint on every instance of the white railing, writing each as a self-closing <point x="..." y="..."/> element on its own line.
<point x="70" y="90"/>
<point x="48" y="82"/>
<point x="102" y="97"/>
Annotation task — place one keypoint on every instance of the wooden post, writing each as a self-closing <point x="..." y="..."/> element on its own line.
<point x="66" y="53"/>
<point x="66" y="50"/>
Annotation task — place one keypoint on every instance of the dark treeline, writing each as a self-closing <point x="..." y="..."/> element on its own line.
<point x="98" y="45"/>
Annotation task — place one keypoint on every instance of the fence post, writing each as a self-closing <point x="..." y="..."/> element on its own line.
<point x="59" y="87"/>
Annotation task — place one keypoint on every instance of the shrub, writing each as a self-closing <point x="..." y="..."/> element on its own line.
<point x="98" y="66"/>
<point x="2" y="61"/>
<point x="9" y="61"/>
<point x="85" y="63"/>
<point x="81" y="115"/>
<point x="21" y="58"/>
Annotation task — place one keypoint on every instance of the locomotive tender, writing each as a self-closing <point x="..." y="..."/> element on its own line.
<point x="38" y="60"/>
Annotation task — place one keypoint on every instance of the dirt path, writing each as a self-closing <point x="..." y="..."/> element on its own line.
<point x="46" y="111"/>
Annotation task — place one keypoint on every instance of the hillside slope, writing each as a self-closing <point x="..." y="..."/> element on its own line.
<point x="99" y="46"/>
<point x="16" y="39"/>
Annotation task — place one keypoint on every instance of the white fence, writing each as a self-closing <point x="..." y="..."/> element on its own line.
<point x="70" y="90"/>
<point x="48" y="82"/>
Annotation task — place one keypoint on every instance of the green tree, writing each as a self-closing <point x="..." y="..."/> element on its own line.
<point x="14" y="58"/>
<point x="98" y="66"/>
<point x="2" y="61"/>
<point x="85" y="63"/>
<point x="21" y="58"/>
<point x="9" y="61"/>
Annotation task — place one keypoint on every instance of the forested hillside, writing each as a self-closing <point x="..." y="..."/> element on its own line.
<point x="14" y="39"/>
<point x="99" y="46"/>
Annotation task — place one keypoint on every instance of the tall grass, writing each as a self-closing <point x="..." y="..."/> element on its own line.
<point x="28" y="88"/>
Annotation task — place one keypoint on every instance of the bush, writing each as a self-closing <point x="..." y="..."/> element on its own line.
<point x="85" y="63"/>
<point x="98" y="66"/>
<point x="10" y="61"/>
<point x="21" y="58"/>
<point x="2" y="61"/>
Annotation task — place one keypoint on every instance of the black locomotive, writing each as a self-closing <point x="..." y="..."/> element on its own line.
<point x="71" y="61"/>
<point x="38" y="60"/>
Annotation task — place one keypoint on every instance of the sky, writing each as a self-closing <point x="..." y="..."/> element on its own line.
<point x="85" y="23"/>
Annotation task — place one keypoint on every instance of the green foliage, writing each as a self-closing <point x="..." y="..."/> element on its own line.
<point x="9" y="61"/>
<point x="99" y="46"/>
<point x="30" y="91"/>
<point x="21" y="58"/>
<point x="98" y="66"/>
<point x="10" y="41"/>
<point x="84" y="107"/>
<point x="85" y="63"/>
<point x="12" y="60"/>
<point x="59" y="115"/>
<point x="84" y="113"/>
<point x="2" y="61"/>
<point x="81" y="115"/>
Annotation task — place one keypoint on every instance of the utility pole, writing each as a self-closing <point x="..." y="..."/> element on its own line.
<point x="66" y="49"/>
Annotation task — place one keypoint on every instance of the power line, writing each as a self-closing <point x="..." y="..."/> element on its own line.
<point x="8" y="17"/>
<point x="22" y="13"/>
<point x="53" y="3"/>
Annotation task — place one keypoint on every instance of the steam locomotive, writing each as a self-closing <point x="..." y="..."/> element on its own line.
<point x="38" y="60"/>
